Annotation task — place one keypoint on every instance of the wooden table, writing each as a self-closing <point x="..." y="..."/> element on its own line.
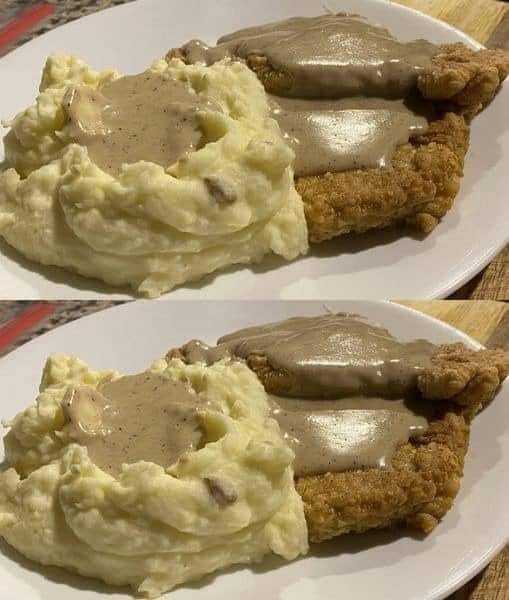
<point x="487" y="321"/>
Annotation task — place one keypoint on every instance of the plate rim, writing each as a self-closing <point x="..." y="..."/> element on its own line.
<point x="124" y="304"/>
<point x="325" y="5"/>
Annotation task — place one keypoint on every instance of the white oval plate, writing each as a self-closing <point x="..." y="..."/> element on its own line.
<point x="375" y="265"/>
<point x="381" y="565"/>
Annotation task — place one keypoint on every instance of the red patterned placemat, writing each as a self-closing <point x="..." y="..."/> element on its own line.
<point x="22" y="20"/>
<point x="22" y="321"/>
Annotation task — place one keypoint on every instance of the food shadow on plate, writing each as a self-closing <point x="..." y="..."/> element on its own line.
<point x="343" y="545"/>
<point x="56" y="275"/>
<point x="58" y="575"/>
<point x="350" y="244"/>
<point x="354" y="243"/>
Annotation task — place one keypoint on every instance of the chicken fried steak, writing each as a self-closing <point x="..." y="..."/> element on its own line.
<point x="379" y="126"/>
<point x="380" y="428"/>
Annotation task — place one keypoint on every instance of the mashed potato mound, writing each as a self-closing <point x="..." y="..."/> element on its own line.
<point x="152" y="227"/>
<point x="150" y="527"/>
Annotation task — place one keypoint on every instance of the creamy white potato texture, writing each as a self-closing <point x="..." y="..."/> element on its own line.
<point x="150" y="527"/>
<point x="149" y="226"/>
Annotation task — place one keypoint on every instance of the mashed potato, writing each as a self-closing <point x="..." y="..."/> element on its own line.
<point x="150" y="226"/>
<point x="150" y="527"/>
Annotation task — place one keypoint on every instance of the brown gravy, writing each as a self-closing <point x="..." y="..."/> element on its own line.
<point x="349" y="388"/>
<point x="345" y="434"/>
<point x="137" y="417"/>
<point x="340" y="73"/>
<point x="351" y="406"/>
<point x="328" y="56"/>
<point x="329" y="356"/>
<point x="145" y="117"/>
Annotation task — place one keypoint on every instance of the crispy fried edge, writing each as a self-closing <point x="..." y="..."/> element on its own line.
<point x="418" y="490"/>
<point x="464" y="80"/>
<point x="464" y="377"/>
<point x="417" y="190"/>
<point x="468" y="378"/>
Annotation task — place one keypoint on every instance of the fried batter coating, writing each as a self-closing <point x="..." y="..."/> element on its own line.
<point x="463" y="377"/>
<point x="465" y="79"/>
<point x="468" y="378"/>
<point x="417" y="190"/>
<point x="418" y="490"/>
<point x="426" y="472"/>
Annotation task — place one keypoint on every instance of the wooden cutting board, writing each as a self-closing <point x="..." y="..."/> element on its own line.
<point x="487" y="322"/>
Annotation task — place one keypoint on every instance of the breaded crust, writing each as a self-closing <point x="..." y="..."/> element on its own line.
<point x="426" y="472"/>
<point x="420" y="187"/>
<point x="465" y="80"/>
<point x="417" y="190"/>
<point x="466" y="377"/>
<point x="418" y="490"/>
